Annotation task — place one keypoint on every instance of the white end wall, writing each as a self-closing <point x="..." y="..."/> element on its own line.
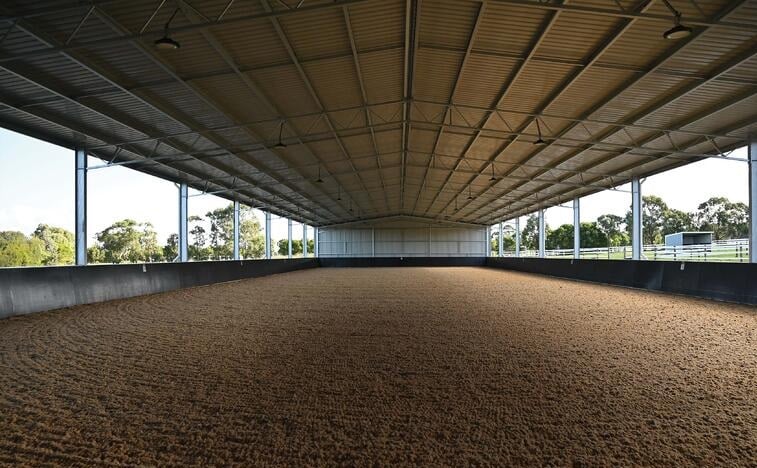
<point x="400" y="238"/>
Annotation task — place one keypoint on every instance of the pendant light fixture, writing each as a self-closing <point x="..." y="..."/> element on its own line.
<point x="494" y="176"/>
<point x="540" y="141"/>
<point x="678" y="31"/>
<point x="280" y="143"/>
<point x="166" y="42"/>
<point x="470" y="193"/>
<point x="339" y="193"/>
<point x="319" y="180"/>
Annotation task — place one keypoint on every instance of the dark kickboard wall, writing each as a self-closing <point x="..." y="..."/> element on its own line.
<point x="27" y="290"/>
<point x="735" y="282"/>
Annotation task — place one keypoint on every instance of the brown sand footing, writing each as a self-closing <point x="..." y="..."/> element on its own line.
<point x="427" y="366"/>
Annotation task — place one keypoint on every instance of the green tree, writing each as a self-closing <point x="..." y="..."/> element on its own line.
<point x="221" y="232"/>
<point x="560" y="238"/>
<point x="612" y="226"/>
<point x="530" y="235"/>
<point x="676" y="221"/>
<point x="251" y="237"/>
<point x="197" y="249"/>
<point x="592" y="235"/>
<point x="726" y="219"/>
<point x="127" y="241"/>
<point x="58" y="242"/>
<point x="95" y="254"/>
<point x="18" y="250"/>
<point x="508" y="241"/>
<point x="653" y="214"/>
<point x="171" y="249"/>
<point x="283" y="247"/>
<point x="151" y="250"/>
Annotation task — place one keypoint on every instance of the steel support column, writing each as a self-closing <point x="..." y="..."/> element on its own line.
<point x="542" y="234"/>
<point x="637" y="240"/>
<point x="499" y="242"/>
<point x="304" y="240"/>
<point x="267" y="234"/>
<point x="183" y="223"/>
<point x="576" y="228"/>
<point x="289" y="238"/>
<point x="488" y="241"/>
<point x="80" y="209"/>
<point x="752" y="145"/>
<point x="315" y="241"/>
<point x="236" y="230"/>
<point x="517" y="237"/>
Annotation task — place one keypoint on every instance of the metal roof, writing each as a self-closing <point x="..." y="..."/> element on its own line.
<point x="425" y="108"/>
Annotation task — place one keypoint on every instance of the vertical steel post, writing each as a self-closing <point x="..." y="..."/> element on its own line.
<point x="752" y="145"/>
<point x="268" y="234"/>
<point x="289" y="238"/>
<point x="576" y="228"/>
<point x="542" y="234"/>
<point x="183" y="223"/>
<point x="80" y="209"/>
<point x="517" y="237"/>
<point x="304" y="240"/>
<point x="316" y="239"/>
<point x="373" y="242"/>
<point x="488" y="241"/>
<point x="637" y="240"/>
<point x="236" y="230"/>
<point x="499" y="241"/>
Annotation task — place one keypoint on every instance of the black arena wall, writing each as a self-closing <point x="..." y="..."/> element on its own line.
<point x="26" y="290"/>
<point x="735" y="282"/>
<point x="359" y="262"/>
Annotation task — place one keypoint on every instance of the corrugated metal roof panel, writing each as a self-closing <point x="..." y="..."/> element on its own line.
<point x="206" y="94"/>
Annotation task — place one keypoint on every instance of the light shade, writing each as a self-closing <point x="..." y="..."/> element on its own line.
<point x="540" y="142"/>
<point x="280" y="144"/>
<point x="166" y="43"/>
<point x="678" y="31"/>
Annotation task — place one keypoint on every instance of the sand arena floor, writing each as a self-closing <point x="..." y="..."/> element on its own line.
<point x="437" y="366"/>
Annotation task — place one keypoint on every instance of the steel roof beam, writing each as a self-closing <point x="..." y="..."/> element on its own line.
<point x="316" y="99"/>
<point x="254" y="89"/>
<point x="367" y="108"/>
<point x="368" y="118"/>
<point x="630" y="15"/>
<point x="412" y="13"/>
<point x="575" y="63"/>
<point x="314" y="95"/>
<point x="618" y="90"/>
<point x="108" y="41"/>
<point x="571" y="79"/>
<point x="89" y="133"/>
<point x="110" y="22"/>
<point x="136" y="38"/>
<point x="447" y="109"/>
<point x="683" y="123"/>
<point x="657" y="105"/>
<point x="124" y="121"/>
<point x="536" y="41"/>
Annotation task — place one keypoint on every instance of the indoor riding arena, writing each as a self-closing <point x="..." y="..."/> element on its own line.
<point x="401" y="133"/>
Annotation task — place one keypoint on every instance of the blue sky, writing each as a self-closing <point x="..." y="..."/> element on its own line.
<point x="37" y="186"/>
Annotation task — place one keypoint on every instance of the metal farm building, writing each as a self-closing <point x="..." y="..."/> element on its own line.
<point x="398" y="132"/>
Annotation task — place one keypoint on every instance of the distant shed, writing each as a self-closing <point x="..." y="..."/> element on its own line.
<point x="688" y="238"/>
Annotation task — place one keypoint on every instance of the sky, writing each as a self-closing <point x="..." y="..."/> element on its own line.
<point x="37" y="186"/>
